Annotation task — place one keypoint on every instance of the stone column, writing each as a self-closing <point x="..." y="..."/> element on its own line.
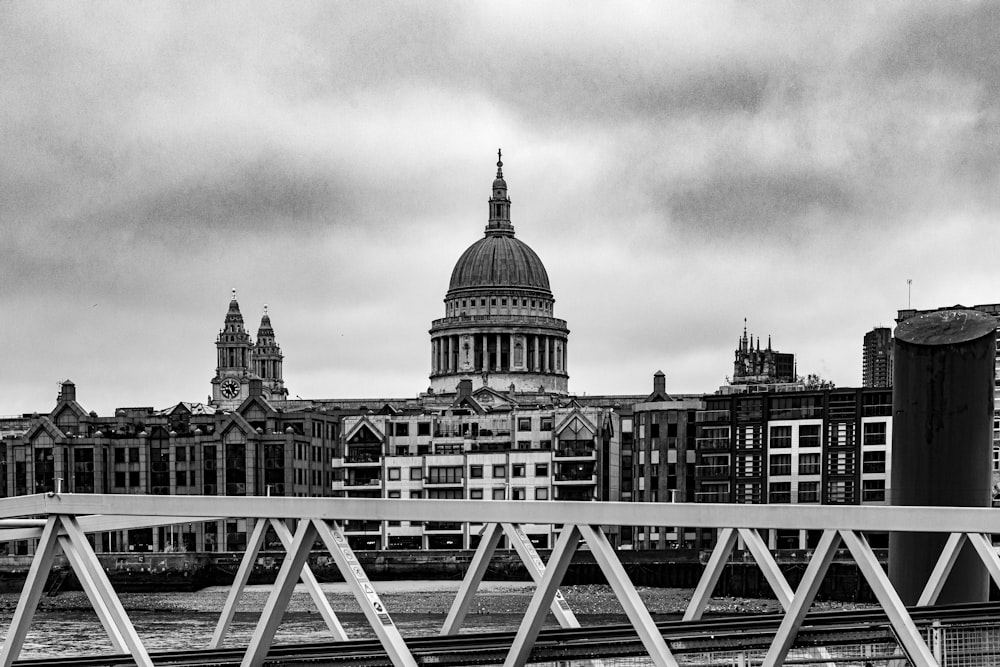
<point x="534" y="355"/>
<point x="448" y="363"/>
<point x="499" y="355"/>
<point x="486" y="355"/>
<point x="545" y="364"/>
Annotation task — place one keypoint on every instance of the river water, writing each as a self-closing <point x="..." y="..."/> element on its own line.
<point x="66" y="625"/>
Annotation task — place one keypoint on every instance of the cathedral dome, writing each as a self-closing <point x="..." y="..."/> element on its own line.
<point x="499" y="260"/>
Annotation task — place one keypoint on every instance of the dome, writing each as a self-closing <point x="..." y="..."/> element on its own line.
<point x="499" y="260"/>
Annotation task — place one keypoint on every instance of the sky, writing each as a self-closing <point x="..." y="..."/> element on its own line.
<point x="678" y="167"/>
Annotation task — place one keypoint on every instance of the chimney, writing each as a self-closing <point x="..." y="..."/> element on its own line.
<point x="659" y="383"/>
<point x="464" y="388"/>
<point x="67" y="391"/>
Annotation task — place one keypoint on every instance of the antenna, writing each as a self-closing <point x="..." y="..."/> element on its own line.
<point x="909" y="284"/>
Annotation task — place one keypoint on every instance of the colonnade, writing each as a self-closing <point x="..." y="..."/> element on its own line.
<point x="498" y="352"/>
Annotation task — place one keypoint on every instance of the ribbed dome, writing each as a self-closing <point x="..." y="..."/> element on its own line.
<point x="499" y="260"/>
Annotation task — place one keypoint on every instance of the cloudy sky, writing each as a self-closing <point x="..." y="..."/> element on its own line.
<point x="677" y="167"/>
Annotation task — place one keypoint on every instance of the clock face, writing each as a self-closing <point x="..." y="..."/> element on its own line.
<point x="230" y="388"/>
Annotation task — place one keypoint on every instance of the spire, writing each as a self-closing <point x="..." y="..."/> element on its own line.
<point x="499" y="223"/>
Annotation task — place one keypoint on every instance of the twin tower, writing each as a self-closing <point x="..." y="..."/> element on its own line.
<point x="498" y="330"/>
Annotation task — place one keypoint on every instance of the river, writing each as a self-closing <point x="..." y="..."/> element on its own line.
<point x="66" y="625"/>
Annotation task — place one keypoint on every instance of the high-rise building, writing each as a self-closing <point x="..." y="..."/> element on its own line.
<point x="876" y="363"/>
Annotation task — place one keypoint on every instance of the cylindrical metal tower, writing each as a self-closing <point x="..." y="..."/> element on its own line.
<point x="941" y="441"/>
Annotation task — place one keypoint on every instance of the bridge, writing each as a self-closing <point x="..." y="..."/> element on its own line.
<point x="62" y="522"/>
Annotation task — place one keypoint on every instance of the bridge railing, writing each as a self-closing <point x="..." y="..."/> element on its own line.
<point x="64" y="520"/>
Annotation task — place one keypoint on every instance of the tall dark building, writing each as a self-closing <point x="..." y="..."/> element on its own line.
<point x="876" y="364"/>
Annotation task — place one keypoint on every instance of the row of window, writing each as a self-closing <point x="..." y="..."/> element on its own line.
<point x="839" y="491"/>
<point x="451" y="474"/>
<point x="497" y="493"/>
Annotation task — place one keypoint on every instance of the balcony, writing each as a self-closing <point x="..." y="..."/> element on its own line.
<point x="575" y="480"/>
<point x="712" y="470"/>
<point x="712" y="497"/>
<point x="442" y="527"/>
<point x="363" y="483"/>
<point x="358" y="526"/>
<point x="362" y="459"/>
<point x="704" y="444"/>
<point x="712" y="416"/>
<point x="442" y="482"/>
<point x="499" y="319"/>
<point x="575" y="453"/>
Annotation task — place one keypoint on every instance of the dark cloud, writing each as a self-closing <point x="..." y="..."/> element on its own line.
<point x="759" y="203"/>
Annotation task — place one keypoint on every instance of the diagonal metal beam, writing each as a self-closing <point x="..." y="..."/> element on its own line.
<point x="473" y="577"/>
<point x="545" y="593"/>
<point x="939" y="575"/>
<point x="634" y="608"/>
<point x="892" y="605"/>
<point x="312" y="586"/>
<point x="536" y="568"/>
<point x="354" y="575"/>
<point x="239" y="583"/>
<point x="710" y="577"/>
<point x="984" y="547"/>
<point x="34" y="586"/>
<point x="100" y="592"/>
<point x="804" y="595"/>
<point x="281" y="593"/>
<point x="772" y="572"/>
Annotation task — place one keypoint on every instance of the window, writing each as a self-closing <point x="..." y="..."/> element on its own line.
<point x="182" y="478"/>
<point x="133" y="479"/>
<point x="842" y="434"/>
<point x="654" y="430"/>
<point x="394" y="494"/>
<point x="841" y="463"/>
<point x="403" y="429"/>
<point x="394" y="474"/>
<point x="780" y="492"/>
<point x="503" y="302"/>
<point x="873" y="462"/>
<point x="546" y="424"/>
<point x="809" y="436"/>
<point x="119" y="457"/>
<point x="781" y="464"/>
<point x="476" y="472"/>
<point x="133" y="454"/>
<point x="518" y="493"/>
<point x="475" y="494"/>
<point x="416" y="474"/>
<point x="541" y="470"/>
<point x="500" y="471"/>
<point x="524" y="423"/>
<point x="808" y="492"/>
<point x="181" y="454"/>
<point x="541" y="493"/>
<point x="444" y="475"/>
<point x="840" y="491"/>
<point x="517" y="470"/>
<point x="499" y="494"/>
<point x="781" y="436"/>
<point x="423" y="428"/>
<point x="873" y="433"/>
<point x="416" y="494"/>
<point x="873" y="490"/>
<point x="120" y="477"/>
<point x="523" y="444"/>
<point x="810" y="464"/>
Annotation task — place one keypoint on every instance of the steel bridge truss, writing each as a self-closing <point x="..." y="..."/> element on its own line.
<point x="61" y="522"/>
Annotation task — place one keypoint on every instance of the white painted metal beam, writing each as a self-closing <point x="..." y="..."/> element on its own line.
<point x="943" y="567"/>
<point x="545" y="593"/>
<point x="34" y="586"/>
<point x="359" y="584"/>
<point x="892" y="605"/>
<point x="239" y="583"/>
<point x="710" y="576"/>
<point x="473" y="577"/>
<point x="536" y="569"/>
<point x="860" y="518"/>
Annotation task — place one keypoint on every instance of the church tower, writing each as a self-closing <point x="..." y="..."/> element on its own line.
<point x="499" y="326"/>
<point x="233" y="346"/>
<point x="267" y="360"/>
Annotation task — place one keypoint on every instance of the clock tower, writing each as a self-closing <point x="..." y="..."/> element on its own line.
<point x="230" y="386"/>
